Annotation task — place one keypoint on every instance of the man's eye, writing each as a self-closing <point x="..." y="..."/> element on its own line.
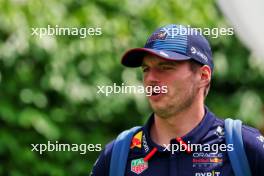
<point x="166" y="67"/>
<point x="145" y="69"/>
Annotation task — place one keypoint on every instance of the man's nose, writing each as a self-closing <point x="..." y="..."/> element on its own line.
<point x="152" y="76"/>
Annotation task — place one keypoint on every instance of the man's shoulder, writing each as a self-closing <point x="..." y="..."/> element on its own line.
<point x="102" y="164"/>
<point x="253" y="139"/>
<point x="247" y="130"/>
<point x="254" y="146"/>
<point x="108" y="148"/>
<point x="253" y="142"/>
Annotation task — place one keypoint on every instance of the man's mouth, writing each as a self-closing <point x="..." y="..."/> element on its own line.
<point x="156" y="91"/>
<point x="155" y="94"/>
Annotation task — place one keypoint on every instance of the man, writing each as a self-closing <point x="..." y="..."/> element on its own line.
<point x="180" y="59"/>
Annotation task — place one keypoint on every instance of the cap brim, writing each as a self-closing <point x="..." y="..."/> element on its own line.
<point x="134" y="57"/>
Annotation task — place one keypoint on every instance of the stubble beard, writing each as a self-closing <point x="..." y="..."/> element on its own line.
<point x="176" y="106"/>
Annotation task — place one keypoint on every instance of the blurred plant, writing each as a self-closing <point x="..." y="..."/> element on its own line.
<point x="48" y="85"/>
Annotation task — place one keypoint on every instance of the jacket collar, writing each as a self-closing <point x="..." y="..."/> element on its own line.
<point x="193" y="137"/>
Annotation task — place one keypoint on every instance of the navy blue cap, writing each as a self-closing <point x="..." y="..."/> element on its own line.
<point x="172" y="42"/>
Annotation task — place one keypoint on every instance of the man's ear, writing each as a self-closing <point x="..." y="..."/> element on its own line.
<point x="205" y="75"/>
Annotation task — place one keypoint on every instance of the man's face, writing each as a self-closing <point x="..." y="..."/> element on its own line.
<point x="181" y="82"/>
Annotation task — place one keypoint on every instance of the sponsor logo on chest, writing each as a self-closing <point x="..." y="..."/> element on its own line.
<point x="136" y="141"/>
<point x="212" y="173"/>
<point x="201" y="159"/>
<point x="138" y="165"/>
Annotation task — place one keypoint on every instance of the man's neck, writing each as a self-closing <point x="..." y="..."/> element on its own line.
<point x="163" y="130"/>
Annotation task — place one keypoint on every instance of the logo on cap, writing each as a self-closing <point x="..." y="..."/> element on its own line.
<point x="164" y="54"/>
<point x="193" y="50"/>
<point x="198" y="53"/>
<point x="161" y="35"/>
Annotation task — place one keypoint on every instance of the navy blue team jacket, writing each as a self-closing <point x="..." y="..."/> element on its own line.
<point x="196" y="163"/>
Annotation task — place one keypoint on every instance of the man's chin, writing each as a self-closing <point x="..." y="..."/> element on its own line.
<point x="158" y="107"/>
<point x="162" y="113"/>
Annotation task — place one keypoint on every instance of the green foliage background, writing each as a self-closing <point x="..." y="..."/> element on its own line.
<point x="48" y="85"/>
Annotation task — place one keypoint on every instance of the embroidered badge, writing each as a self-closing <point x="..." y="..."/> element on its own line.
<point x="138" y="165"/>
